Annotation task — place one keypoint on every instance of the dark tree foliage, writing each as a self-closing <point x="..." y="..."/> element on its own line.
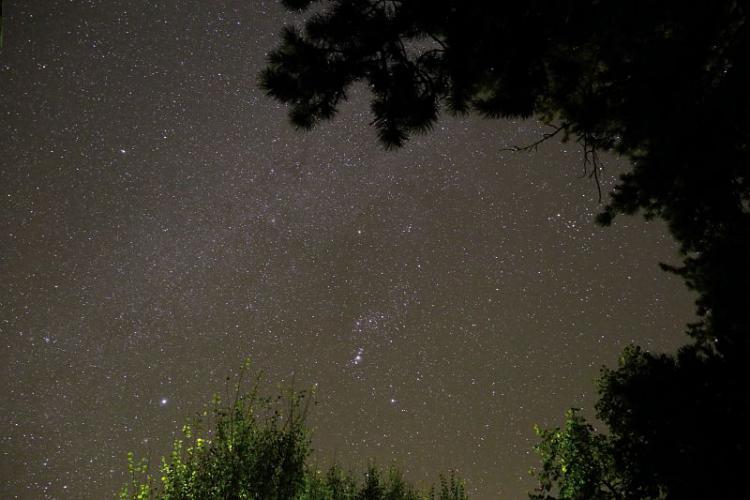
<point x="661" y="83"/>
<point x="675" y="431"/>
<point x="677" y="424"/>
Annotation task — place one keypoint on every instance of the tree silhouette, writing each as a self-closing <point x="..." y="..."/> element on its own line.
<point x="674" y="432"/>
<point x="663" y="84"/>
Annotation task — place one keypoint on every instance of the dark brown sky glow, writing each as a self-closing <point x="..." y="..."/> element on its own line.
<point x="161" y="221"/>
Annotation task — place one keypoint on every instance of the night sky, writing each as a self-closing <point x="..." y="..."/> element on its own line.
<point x="161" y="221"/>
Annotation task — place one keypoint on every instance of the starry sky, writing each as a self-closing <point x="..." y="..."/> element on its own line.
<point x="161" y="221"/>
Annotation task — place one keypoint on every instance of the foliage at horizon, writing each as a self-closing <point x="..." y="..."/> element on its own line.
<point x="671" y="432"/>
<point x="257" y="447"/>
<point x="577" y="462"/>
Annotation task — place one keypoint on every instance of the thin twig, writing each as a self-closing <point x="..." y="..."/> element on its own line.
<point x="591" y="157"/>
<point x="590" y="154"/>
<point x="535" y="145"/>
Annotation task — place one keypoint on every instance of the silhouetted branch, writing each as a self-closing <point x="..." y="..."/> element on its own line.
<point x="591" y="158"/>
<point x="590" y="155"/>
<point x="535" y="145"/>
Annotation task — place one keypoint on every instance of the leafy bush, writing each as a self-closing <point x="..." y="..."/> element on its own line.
<point x="577" y="463"/>
<point x="257" y="447"/>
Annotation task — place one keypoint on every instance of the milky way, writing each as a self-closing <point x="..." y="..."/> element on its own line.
<point x="161" y="221"/>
